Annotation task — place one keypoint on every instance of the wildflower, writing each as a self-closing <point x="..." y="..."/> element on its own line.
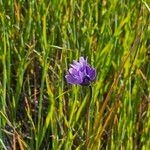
<point x="81" y="73"/>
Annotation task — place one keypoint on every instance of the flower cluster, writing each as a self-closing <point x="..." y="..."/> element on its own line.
<point x="81" y="73"/>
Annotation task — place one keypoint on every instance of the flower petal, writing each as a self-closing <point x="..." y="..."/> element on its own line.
<point x="75" y="66"/>
<point x="76" y="63"/>
<point x="91" y="72"/>
<point x="73" y="71"/>
<point x="83" y="61"/>
<point x="73" y="80"/>
<point x="81" y="75"/>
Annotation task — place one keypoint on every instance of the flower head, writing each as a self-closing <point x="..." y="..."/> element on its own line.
<point x="81" y="73"/>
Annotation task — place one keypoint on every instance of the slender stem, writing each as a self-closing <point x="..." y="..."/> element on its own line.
<point x="88" y="118"/>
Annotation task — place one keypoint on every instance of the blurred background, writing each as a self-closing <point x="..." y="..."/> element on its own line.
<point x="38" y="41"/>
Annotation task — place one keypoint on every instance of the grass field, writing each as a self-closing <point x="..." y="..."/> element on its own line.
<point x="38" y="41"/>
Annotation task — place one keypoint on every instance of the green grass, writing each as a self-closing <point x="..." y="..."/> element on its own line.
<point x="38" y="41"/>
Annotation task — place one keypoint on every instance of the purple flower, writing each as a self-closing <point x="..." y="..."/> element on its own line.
<point x="81" y="73"/>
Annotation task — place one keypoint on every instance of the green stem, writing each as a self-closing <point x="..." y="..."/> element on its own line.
<point x="88" y="118"/>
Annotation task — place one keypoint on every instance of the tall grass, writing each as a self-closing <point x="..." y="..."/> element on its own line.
<point x="38" y="41"/>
